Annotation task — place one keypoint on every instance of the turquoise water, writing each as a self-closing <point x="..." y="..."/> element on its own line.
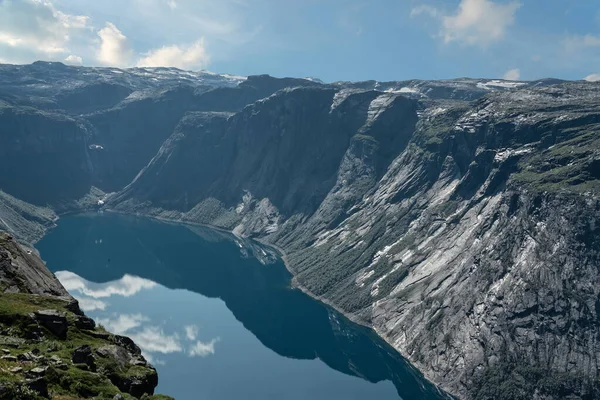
<point x="216" y="316"/>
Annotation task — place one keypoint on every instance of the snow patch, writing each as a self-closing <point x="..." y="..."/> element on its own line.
<point x="499" y="84"/>
<point x="360" y="281"/>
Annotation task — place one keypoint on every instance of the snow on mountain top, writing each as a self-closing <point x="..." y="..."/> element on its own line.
<point x="494" y="84"/>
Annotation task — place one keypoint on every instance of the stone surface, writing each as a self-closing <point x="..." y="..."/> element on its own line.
<point x="39" y="385"/>
<point x="24" y="272"/>
<point x="117" y="353"/>
<point x="55" y="321"/>
<point x="84" y="355"/>
<point x="37" y="372"/>
<point x="137" y="386"/>
<point x="84" y="322"/>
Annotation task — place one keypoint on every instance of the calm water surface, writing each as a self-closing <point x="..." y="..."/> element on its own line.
<point x="216" y="316"/>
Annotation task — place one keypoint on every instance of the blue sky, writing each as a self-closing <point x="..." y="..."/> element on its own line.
<point x="329" y="39"/>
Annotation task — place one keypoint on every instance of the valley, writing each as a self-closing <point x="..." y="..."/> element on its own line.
<point x="459" y="219"/>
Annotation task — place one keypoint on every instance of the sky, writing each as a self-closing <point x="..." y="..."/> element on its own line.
<point x="334" y="40"/>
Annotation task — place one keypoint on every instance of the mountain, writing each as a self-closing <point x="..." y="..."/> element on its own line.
<point x="458" y="218"/>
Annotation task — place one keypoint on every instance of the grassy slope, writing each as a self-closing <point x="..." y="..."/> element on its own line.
<point x="71" y="382"/>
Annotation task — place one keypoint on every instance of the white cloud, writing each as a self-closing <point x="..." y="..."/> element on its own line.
<point x="122" y="323"/>
<point x="479" y="22"/>
<point x="152" y="339"/>
<point x="575" y="43"/>
<point x="425" y="9"/>
<point x="74" y="60"/>
<point x="592" y="78"/>
<point x="589" y="41"/>
<point x="201" y="349"/>
<point x="172" y="4"/>
<point x="191" y="332"/>
<point x="114" y="49"/>
<point x="87" y="304"/>
<point x="512" y="75"/>
<point x="193" y="56"/>
<point x="475" y="22"/>
<point x="127" y="286"/>
<point x="33" y="29"/>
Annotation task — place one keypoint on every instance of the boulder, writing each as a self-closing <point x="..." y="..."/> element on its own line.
<point x="36" y="372"/>
<point x="128" y="344"/>
<point x="29" y="357"/>
<point x="137" y="386"/>
<point x="117" y="353"/>
<point x="73" y="305"/>
<point x="99" y="335"/>
<point x="84" y="322"/>
<point x="83" y="355"/>
<point x="39" y="385"/>
<point x="62" y="366"/>
<point x="55" y="321"/>
<point x="55" y="359"/>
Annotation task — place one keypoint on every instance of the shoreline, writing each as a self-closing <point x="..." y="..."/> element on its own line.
<point x="284" y="258"/>
<point x="294" y="284"/>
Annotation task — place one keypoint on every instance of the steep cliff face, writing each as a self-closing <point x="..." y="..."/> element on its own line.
<point x="457" y="218"/>
<point x="125" y="137"/>
<point x="43" y="155"/>
<point x="68" y="135"/>
<point x="465" y="234"/>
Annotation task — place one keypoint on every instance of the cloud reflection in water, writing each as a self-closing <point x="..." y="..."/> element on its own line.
<point x="148" y="335"/>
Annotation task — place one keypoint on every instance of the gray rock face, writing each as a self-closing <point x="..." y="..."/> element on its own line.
<point x="120" y="354"/>
<point x="465" y="234"/>
<point x="84" y="322"/>
<point x="55" y="321"/>
<point x="84" y="355"/>
<point x="457" y="218"/>
<point x="137" y="386"/>
<point x="22" y="271"/>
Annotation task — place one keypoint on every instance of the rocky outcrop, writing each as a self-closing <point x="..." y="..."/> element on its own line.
<point x="53" y="320"/>
<point x="39" y="322"/>
<point x="21" y="271"/>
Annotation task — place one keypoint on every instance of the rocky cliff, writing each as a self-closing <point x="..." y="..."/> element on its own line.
<point x="50" y="348"/>
<point x="457" y="218"/>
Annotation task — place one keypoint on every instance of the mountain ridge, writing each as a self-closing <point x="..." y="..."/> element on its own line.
<point x="457" y="218"/>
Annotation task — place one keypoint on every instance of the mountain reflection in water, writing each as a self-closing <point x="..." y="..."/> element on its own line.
<point x="112" y="258"/>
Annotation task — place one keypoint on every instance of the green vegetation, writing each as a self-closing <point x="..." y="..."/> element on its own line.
<point x="435" y="130"/>
<point x="26" y="345"/>
<point x="572" y="165"/>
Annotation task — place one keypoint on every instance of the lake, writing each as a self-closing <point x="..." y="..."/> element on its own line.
<point x="216" y="316"/>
